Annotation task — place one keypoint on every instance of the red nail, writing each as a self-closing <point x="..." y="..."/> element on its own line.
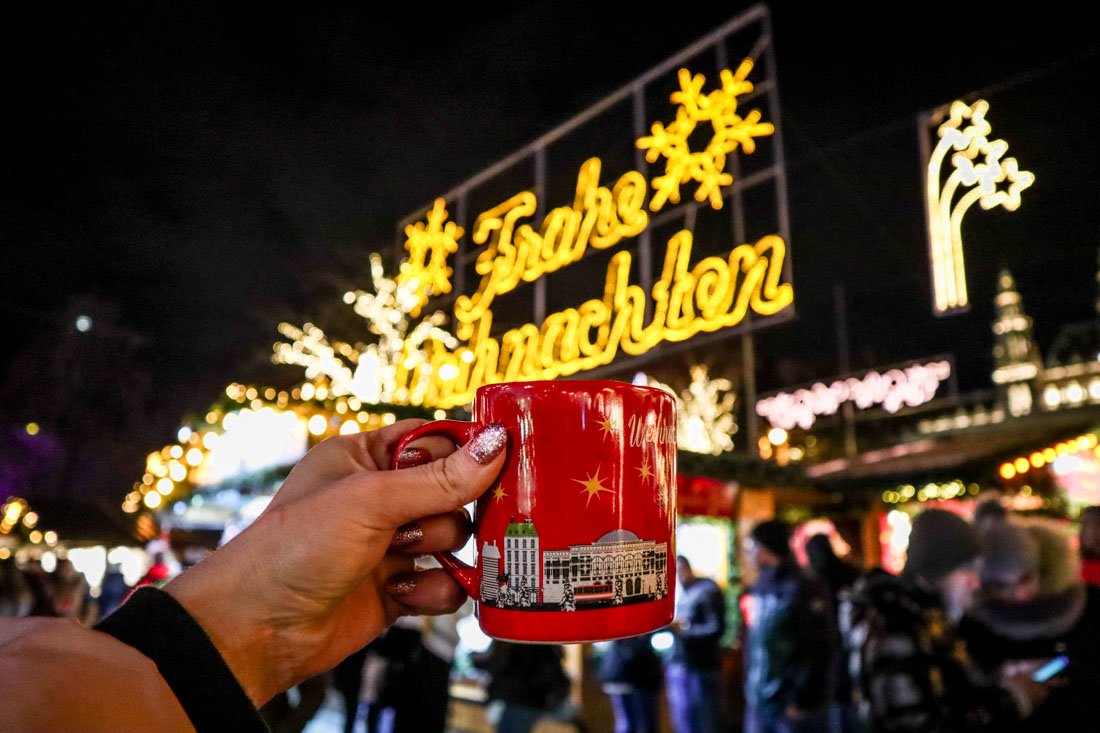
<point x="413" y="457"/>
<point x="406" y="535"/>
<point x="488" y="443"/>
<point x="401" y="585"/>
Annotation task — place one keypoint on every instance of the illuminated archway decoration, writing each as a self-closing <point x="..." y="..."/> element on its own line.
<point x="731" y="131"/>
<point x="979" y="173"/>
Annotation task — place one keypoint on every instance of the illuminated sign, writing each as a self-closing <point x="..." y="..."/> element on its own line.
<point x="978" y="173"/>
<point x="499" y="239"/>
<point x="905" y="386"/>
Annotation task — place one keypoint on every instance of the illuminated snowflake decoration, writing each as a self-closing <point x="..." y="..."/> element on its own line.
<point x="705" y="420"/>
<point x="730" y="131"/>
<point x="429" y="244"/>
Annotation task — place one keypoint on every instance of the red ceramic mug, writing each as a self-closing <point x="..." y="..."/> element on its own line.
<point x="576" y="540"/>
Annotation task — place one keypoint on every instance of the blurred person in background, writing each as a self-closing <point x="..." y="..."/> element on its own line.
<point x="71" y="592"/>
<point x="631" y="673"/>
<point x="15" y="595"/>
<point x="112" y="591"/>
<point x="347" y="680"/>
<point x="911" y="672"/>
<point x="789" y="640"/>
<point x="1089" y="538"/>
<point x="838" y="577"/>
<point x="158" y="573"/>
<point x="1033" y="605"/>
<point x="38" y="582"/>
<point x="415" y="689"/>
<point x="526" y="683"/>
<point x="693" y="669"/>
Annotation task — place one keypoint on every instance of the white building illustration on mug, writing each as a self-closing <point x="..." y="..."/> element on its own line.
<point x="616" y="569"/>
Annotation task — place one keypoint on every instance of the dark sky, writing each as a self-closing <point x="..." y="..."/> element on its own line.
<point x="213" y="168"/>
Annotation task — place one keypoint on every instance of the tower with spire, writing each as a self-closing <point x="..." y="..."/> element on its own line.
<point x="1016" y="358"/>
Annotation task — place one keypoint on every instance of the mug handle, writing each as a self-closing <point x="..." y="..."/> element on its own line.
<point x="460" y="432"/>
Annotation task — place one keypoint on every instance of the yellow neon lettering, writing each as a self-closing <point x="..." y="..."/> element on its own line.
<point x="716" y="293"/>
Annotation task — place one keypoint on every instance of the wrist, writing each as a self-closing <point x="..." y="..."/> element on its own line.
<point x="222" y="605"/>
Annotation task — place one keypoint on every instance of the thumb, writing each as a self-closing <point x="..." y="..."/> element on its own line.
<point x="438" y="487"/>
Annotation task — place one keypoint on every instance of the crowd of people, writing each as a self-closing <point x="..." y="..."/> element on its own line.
<point x="992" y="625"/>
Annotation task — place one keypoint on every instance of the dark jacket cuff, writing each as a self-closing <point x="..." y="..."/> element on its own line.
<point x="152" y="622"/>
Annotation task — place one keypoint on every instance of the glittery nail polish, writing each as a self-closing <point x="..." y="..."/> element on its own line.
<point x="401" y="585"/>
<point x="488" y="443"/>
<point x="413" y="457"/>
<point x="406" y="535"/>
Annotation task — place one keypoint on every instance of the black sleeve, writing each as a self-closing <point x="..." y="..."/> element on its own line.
<point x="152" y="622"/>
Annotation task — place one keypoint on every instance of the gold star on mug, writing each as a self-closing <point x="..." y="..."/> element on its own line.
<point x="644" y="469"/>
<point x="608" y="427"/>
<point x="498" y="493"/>
<point x="593" y="486"/>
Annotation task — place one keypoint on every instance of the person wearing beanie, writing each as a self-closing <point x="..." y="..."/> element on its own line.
<point x="911" y="670"/>
<point x="790" y="642"/>
<point x="1034" y="605"/>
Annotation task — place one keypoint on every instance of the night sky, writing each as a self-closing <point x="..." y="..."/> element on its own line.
<point x="212" y="168"/>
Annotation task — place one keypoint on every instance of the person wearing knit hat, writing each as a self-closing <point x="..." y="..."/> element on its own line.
<point x="790" y="644"/>
<point x="902" y="644"/>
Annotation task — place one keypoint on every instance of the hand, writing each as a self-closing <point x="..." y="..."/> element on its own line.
<point x="324" y="568"/>
<point x="1029" y="694"/>
<point x="793" y="712"/>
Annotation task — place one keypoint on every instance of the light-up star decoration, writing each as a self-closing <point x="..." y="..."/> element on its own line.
<point x="429" y="244"/>
<point x="593" y="486"/>
<point x="982" y="174"/>
<point x="730" y="131"/>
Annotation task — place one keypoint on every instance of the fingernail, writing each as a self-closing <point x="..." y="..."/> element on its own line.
<point x="413" y="457"/>
<point x="401" y="585"/>
<point x="489" y="442"/>
<point x="406" y="535"/>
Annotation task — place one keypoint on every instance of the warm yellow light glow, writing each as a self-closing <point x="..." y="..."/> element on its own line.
<point x="30" y="519"/>
<point x="1037" y="460"/>
<point x="209" y="439"/>
<point x="1049" y="455"/>
<point x="194" y="457"/>
<point x="705" y="421"/>
<point x="50" y="537"/>
<point x="152" y="500"/>
<point x="32" y="428"/>
<point x="729" y="131"/>
<point x="176" y="451"/>
<point x="165" y="486"/>
<point x="777" y="436"/>
<point x="349" y="427"/>
<point x="389" y="418"/>
<point x="1008" y="471"/>
<point x="979" y="166"/>
<point x="429" y="244"/>
<point x="317" y="425"/>
<point x="1021" y="465"/>
<point x="5" y="553"/>
<point x="176" y="471"/>
<point x="35" y="537"/>
<point x="307" y="391"/>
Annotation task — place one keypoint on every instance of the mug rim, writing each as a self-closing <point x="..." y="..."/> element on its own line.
<point x="578" y="384"/>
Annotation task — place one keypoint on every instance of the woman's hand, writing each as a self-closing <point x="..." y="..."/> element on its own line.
<point x="330" y="562"/>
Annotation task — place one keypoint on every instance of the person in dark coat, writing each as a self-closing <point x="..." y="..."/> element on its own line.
<point x="911" y="672"/>
<point x="838" y="577"/>
<point x="631" y="673"/>
<point x="789" y="642"/>
<point x="693" y="671"/>
<point x="526" y="682"/>
<point x="1033" y="605"/>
